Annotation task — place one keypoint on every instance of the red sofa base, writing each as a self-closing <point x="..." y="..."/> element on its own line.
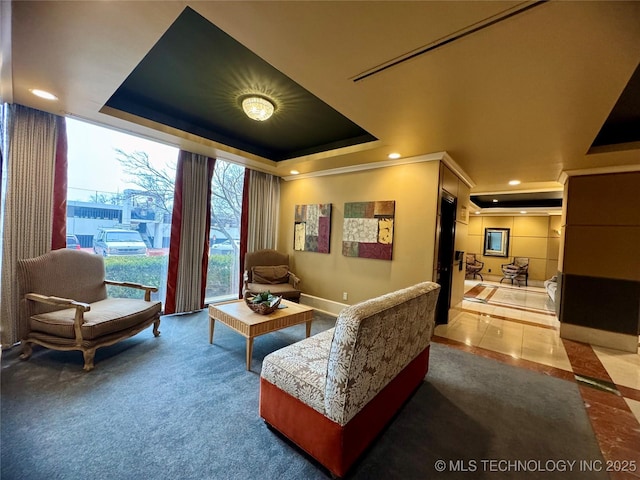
<point x="338" y="447"/>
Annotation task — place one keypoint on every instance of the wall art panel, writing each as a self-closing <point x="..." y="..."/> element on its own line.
<point x="312" y="228"/>
<point x="368" y="229"/>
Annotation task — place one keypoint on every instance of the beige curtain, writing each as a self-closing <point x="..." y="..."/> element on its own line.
<point x="196" y="180"/>
<point x="28" y="208"/>
<point x="264" y="205"/>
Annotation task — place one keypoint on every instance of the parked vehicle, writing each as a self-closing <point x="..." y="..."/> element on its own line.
<point x="72" y="242"/>
<point x="117" y="241"/>
<point x="224" y="247"/>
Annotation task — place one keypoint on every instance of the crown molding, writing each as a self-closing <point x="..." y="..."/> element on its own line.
<point x="431" y="157"/>
<point x="564" y="176"/>
<point x="457" y="169"/>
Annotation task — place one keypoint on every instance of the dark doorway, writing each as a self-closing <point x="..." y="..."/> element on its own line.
<point x="446" y="246"/>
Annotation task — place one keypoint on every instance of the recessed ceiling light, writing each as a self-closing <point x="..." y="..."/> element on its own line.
<point x="294" y="172"/>
<point x="523" y="211"/>
<point x="495" y="200"/>
<point x="43" y="94"/>
<point x="477" y="213"/>
<point x="393" y="156"/>
<point x="514" y="182"/>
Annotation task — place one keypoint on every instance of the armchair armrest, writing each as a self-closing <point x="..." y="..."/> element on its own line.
<point x="147" y="289"/>
<point x="80" y="307"/>
<point x="58" y="301"/>
<point x="293" y="280"/>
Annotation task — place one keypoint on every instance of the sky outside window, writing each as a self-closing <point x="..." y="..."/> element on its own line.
<point x="93" y="164"/>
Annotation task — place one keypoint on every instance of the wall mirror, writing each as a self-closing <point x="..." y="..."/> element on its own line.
<point x="496" y="242"/>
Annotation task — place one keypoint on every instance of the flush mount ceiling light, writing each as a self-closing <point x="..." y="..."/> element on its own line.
<point x="257" y="108"/>
<point x="43" y="94"/>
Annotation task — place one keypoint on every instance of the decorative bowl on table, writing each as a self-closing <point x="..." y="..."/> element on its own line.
<point x="263" y="303"/>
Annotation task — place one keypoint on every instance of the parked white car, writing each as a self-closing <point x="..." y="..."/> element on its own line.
<point x="116" y="241"/>
<point x="224" y="247"/>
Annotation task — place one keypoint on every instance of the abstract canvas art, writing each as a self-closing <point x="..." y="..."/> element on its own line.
<point x="368" y="229"/>
<point x="312" y="228"/>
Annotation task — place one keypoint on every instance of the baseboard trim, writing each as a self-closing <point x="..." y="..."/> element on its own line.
<point x="601" y="338"/>
<point x="322" y="304"/>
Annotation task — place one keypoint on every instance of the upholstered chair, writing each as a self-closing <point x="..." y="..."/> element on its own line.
<point x="64" y="305"/>
<point x="269" y="270"/>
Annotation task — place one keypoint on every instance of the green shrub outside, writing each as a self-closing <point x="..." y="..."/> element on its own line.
<point x="151" y="270"/>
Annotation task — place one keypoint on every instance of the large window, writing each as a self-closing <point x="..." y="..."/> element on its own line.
<point x="223" y="275"/>
<point x="119" y="201"/>
<point x="121" y="187"/>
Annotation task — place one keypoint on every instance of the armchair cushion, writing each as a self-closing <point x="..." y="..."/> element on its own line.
<point x="270" y="274"/>
<point x="284" y="290"/>
<point x="105" y="317"/>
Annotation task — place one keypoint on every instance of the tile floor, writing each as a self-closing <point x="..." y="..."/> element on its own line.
<point x="518" y="326"/>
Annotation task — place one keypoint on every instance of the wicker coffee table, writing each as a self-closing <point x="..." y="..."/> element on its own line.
<point x="240" y="318"/>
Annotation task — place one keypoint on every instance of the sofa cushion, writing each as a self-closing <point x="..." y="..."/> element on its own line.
<point x="301" y="369"/>
<point x="270" y="274"/>
<point x="105" y="317"/>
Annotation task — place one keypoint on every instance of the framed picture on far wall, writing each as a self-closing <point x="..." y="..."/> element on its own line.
<point x="312" y="228"/>
<point x="496" y="242"/>
<point x="368" y="229"/>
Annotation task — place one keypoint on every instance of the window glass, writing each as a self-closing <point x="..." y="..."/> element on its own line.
<point x="119" y="200"/>
<point x="223" y="274"/>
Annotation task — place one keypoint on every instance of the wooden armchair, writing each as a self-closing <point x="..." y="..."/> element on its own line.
<point x="269" y="270"/>
<point x="474" y="266"/>
<point x="517" y="271"/>
<point x="64" y="305"/>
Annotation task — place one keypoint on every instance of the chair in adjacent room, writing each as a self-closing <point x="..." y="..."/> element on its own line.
<point x="516" y="271"/>
<point x="64" y="305"/>
<point x="269" y="270"/>
<point x="474" y="266"/>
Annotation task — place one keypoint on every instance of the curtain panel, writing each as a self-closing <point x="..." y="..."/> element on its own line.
<point x="244" y="228"/>
<point x="264" y="207"/>
<point x="59" y="220"/>
<point x="190" y="225"/>
<point x="33" y="139"/>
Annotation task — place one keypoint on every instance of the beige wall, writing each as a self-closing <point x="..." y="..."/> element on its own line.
<point x="535" y="237"/>
<point x="414" y="188"/>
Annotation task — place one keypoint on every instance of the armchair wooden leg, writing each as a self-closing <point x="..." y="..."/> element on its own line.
<point x="156" y="325"/>
<point x="88" y="355"/>
<point x="27" y="349"/>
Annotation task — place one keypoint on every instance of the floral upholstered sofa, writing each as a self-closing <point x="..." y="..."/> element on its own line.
<point x="332" y="394"/>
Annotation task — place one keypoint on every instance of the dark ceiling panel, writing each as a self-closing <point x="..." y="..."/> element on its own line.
<point x="194" y="77"/>
<point x="623" y="123"/>
<point x="519" y="200"/>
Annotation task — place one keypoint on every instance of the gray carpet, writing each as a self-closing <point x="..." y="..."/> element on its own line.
<point x="175" y="407"/>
